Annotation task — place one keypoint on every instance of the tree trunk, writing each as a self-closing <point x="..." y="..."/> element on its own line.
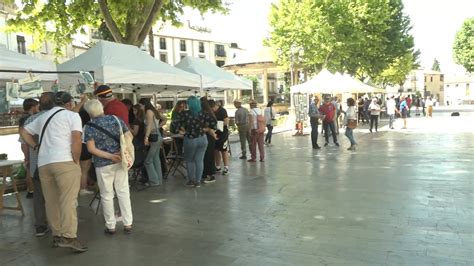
<point x="151" y="42"/>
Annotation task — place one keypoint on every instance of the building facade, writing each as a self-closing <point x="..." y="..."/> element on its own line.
<point x="459" y="89"/>
<point x="425" y="83"/>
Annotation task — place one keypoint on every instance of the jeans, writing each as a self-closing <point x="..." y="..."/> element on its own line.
<point x="314" y="134"/>
<point x="244" y="137"/>
<point x="349" y="134"/>
<point x="194" y="150"/>
<point x="374" y="118"/>
<point x="392" y="119"/>
<point x="327" y="126"/>
<point x="112" y="177"/>
<point x="268" y="137"/>
<point x="153" y="162"/>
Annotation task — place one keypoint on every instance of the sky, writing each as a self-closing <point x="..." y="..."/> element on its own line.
<point x="434" y="22"/>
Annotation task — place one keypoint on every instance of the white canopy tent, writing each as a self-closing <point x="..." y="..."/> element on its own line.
<point x="10" y="60"/>
<point x="213" y="77"/>
<point x="126" y="68"/>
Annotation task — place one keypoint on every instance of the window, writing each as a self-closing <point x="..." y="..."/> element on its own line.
<point x="431" y="78"/>
<point x="162" y="43"/>
<point x="201" y="47"/>
<point x="164" y="57"/>
<point x="447" y="86"/>
<point x="441" y="78"/>
<point x="20" y="40"/>
<point x="220" y="50"/>
<point x="441" y="88"/>
<point x="182" y="45"/>
<point x="220" y="63"/>
<point x="425" y="78"/>
<point x="457" y="85"/>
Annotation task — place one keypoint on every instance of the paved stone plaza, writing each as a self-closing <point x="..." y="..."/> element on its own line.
<point x="404" y="197"/>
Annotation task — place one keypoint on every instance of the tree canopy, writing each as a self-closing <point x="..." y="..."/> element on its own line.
<point x="128" y="21"/>
<point x="360" y="37"/>
<point x="463" y="48"/>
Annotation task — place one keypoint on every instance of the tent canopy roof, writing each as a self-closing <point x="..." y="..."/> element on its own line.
<point x="10" y="60"/>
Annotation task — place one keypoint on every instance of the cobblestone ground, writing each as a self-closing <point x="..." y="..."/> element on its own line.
<point x="404" y="197"/>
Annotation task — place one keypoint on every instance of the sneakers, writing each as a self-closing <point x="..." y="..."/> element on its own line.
<point x="72" y="243"/>
<point x="317" y="147"/>
<point x="41" y="230"/>
<point x="85" y="192"/>
<point x="225" y="171"/>
<point x="326" y="144"/>
<point x="56" y="239"/>
<point x="190" y="183"/>
<point x="218" y="169"/>
<point x="197" y="184"/>
<point x="243" y="157"/>
<point x="29" y="195"/>
<point x="210" y="179"/>
<point x="337" y="144"/>
<point x="127" y="229"/>
<point x="251" y="161"/>
<point x="108" y="231"/>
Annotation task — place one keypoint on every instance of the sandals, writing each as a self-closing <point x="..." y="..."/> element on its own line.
<point x="108" y="231"/>
<point x="127" y="229"/>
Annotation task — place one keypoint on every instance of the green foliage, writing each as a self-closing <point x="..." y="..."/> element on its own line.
<point x="127" y="21"/>
<point x="436" y="66"/>
<point x="361" y="37"/>
<point x="396" y="72"/>
<point x="463" y="48"/>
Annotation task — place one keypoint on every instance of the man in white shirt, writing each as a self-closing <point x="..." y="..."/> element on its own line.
<point x="59" y="150"/>
<point x="391" y="108"/>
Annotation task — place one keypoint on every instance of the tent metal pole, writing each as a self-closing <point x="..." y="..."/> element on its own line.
<point x="200" y="89"/>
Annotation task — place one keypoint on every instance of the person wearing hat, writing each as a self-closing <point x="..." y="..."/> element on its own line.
<point x="256" y="137"/>
<point x="111" y="105"/>
<point x="242" y="122"/>
<point x="58" y="165"/>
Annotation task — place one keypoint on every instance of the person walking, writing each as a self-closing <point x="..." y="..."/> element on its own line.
<point x="153" y="138"/>
<point x="375" y="109"/>
<point x="391" y="109"/>
<point x="194" y="124"/>
<point x="242" y="122"/>
<point x="404" y="111"/>
<point x="350" y="119"/>
<point x="329" y="111"/>
<point x="269" y="117"/>
<point x="255" y="136"/>
<point x="59" y="150"/>
<point x="314" y="117"/>
<point x="102" y="135"/>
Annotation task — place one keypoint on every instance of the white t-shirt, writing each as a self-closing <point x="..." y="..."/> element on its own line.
<point x="428" y="102"/>
<point x="268" y="115"/>
<point x="254" y="112"/>
<point x="374" y="106"/>
<point x="56" y="145"/>
<point x="391" y="107"/>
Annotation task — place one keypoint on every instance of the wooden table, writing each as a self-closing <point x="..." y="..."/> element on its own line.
<point x="6" y="171"/>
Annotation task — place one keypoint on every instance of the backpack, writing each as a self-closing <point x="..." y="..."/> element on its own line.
<point x="261" y="124"/>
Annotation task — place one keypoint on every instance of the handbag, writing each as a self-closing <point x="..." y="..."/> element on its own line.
<point x="351" y="123"/>
<point x="127" y="151"/>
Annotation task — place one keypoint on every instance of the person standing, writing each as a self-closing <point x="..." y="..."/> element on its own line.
<point x="175" y="113"/>
<point x="111" y="105"/>
<point x="209" y="160"/>
<point x="153" y="138"/>
<point x="269" y="117"/>
<point x="404" y="111"/>
<point x="375" y="109"/>
<point x="194" y="124"/>
<point x="367" y="103"/>
<point x="350" y="115"/>
<point x="222" y="143"/>
<point x="255" y="136"/>
<point x="391" y="109"/>
<point x="360" y="111"/>
<point x="314" y="117"/>
<point x="409" y="102"/>
<point x="329" y="111"/>
<point x="112" y="177"/>
<point x="429" y="107"/>
<point x="242" y="122"/>
<point x="59" y="170"/>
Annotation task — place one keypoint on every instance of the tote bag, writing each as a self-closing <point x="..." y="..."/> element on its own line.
<point x="127" y="152"/>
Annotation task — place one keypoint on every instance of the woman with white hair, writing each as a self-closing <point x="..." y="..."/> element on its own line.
<point x="102" y="135"/>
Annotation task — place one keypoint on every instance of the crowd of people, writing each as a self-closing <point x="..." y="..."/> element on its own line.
<point x="71" y="146"/>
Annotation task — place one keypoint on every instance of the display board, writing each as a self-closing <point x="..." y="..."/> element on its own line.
<point x="301" y="106"/>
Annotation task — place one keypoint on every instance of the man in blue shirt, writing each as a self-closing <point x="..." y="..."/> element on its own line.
<point x="314" y="117"/>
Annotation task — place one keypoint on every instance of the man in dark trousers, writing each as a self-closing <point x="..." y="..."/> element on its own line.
<point x="329" y="111"/>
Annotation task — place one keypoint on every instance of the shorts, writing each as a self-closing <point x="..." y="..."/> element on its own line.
<point x="85" y="154"/>
<point x="404" y="113"/>
<point x="222" y="144"/>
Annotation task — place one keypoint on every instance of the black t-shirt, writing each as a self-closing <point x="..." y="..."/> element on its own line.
<point x="138" y="140"/>
<point x="221" y="114"/>
<point x="84" y="116"/>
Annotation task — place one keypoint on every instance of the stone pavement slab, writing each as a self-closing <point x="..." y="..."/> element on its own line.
<point x="404" y="197"/>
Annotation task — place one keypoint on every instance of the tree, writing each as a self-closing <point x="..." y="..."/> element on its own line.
<point x="396" y="72"/>
<point x="360" y="37"/>
<point x="435" y="66"/>
<point x="463" y="48"/>
<point x="128" y="21"/>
